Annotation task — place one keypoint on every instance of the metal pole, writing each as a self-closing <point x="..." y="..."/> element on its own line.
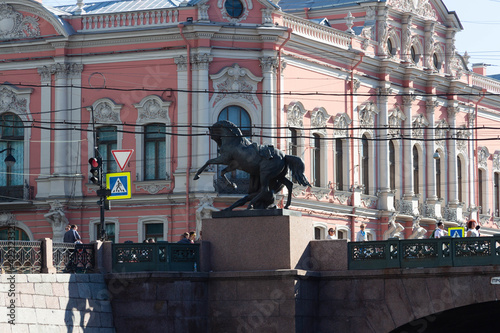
<point x="102" y="196"/>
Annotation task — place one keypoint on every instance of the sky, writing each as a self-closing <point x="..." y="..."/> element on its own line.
<point x="480" y="37"/>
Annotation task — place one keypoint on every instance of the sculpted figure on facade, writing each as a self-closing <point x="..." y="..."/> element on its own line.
<point x="496" y="161"/>
<point x="57" y="220"/>
<point x="204" y="210"/>
<point x="417" y="231"/>
<point x="441" y="132"/>
<point x="396" y="118"/>
<point x="367" y="113"/>
<point x="319" y="118"/>
<point x="295" y="115"/>
<point x="418" y="125"/>
<point x="395" y="229"/>
<point x="483" y="157"/>
<point x="340" y="124"/>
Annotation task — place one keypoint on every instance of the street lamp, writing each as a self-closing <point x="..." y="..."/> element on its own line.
<point x="9" y="160"/>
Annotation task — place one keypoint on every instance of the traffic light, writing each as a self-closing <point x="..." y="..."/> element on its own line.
<point x="95" y="170"/>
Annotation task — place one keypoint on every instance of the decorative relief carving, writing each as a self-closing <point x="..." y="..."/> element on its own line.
<point x="496" y="161"/>
<point x="181" y="62"/>
<point x="299" y="190"/>
<point x="235" y="83"/>
<point x="106" y="111"/>
<point x="430" y="43"/>
<point x="9" y="101"/>
<point x="295" y="114"/>
<point x="14" y="25"/>
<point x="319" y="118"/>
<point x="342" y="197"/>
<point x="407" y="41"/>
<point x="419" y="7"/>
<point x="483" y="155"/>
<point x="367" y="113"/>
<point x="369" y="201"/>
<point x="201" y="61"/>
<point x="441" y="132"/>
<point x="320" y="192"/>
<point x="269" y="64"/>
<point x="152" y="188"/>
<point x="463" y="137"/>
<point x="408" y="99"/>
<point x="396" y="118"/>
<point x="247" y="7"/>
<point x="153" y="108"/>
<point x="340" y="125"/>
<point x="203" y="12"/>
<point x="418" y="125"/>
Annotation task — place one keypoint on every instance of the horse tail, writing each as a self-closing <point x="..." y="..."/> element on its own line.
<point x="297" y="166"/>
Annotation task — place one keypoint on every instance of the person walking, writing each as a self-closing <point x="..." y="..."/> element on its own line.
<point x="72" y="235"/>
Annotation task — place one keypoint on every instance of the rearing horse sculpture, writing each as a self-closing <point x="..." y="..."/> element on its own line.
<point x="266" y="165"/>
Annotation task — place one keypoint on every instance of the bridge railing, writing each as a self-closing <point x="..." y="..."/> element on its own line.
<point x="434" y="252"/>
<point x="161" y="256"/>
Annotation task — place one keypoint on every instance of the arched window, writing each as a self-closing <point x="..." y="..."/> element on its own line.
<point x="364" y="164"/>
<point x="438" y="176"/>
<point x="413" y="54"/>
<point x="238" y="116"/>
<point x="480" y="187"/>
<point x="106" y="141"/>
<point x="155" y="163"/>
<point x="18" y="234"/>
<point x="416" y="179"/>
<point x="12" y="145"/>
<point x="435" y="61"/>
<point x="392" y="166"/>
<point x="390" y="47"/>
<point x="339" y="161"/>
<point x="316" y="167"/>
<point x="459" y="180"/>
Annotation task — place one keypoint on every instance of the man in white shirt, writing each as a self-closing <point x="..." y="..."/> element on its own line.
<point x="440" y="232"/>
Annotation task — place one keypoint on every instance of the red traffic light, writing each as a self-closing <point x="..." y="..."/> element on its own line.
<point x="94" y="162"/>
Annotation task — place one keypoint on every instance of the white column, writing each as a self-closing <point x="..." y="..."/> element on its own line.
<point x="407" y="149"/>
<point x="431" y="148"/>
<point x="383" y="152"/>
<point x="452" y="157"/>
<point x="182" y="121"/>
<point x="60" y="136"/>
<point x="269" y="65"/>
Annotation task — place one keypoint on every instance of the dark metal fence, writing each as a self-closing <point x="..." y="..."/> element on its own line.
<point x="73" y="258"/>
<point x="434" y="252"/>
<point x="162" y="256"/>
<point x="21" y="257"/>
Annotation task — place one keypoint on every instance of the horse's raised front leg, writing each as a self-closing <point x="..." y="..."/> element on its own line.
<point x="217" y="160"/>
<point x="230" y="168"/>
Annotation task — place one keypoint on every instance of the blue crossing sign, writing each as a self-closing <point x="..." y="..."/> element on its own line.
<point x="456" y="232"/>
<point x="119" y="184"/>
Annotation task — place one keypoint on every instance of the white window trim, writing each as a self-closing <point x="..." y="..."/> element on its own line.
<point x="92" y="227"/>
<point x="344" y="229"/>
<point x="141" y="226"/>
<point x="321" y="225"/>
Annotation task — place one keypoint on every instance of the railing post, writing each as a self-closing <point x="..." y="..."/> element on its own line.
<point x="106" y="257"/>
<point x="47" y="256"/>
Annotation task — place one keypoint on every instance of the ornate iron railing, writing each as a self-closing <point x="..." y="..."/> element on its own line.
<point x="73" y="258"/>
<point x="160" y="256"/>
<point x="446" y="251"/>
<point x="20" y="257"/>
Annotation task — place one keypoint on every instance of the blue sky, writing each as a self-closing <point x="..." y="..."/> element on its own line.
<point x="480" y="37"/>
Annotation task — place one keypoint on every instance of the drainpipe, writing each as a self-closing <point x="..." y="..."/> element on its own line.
<point x="361" y="55"/>
<point x="306" y="11"/>
<point x="475" y="150"/>
<point x="190" y="118"/>
<point x="278" y="89"/>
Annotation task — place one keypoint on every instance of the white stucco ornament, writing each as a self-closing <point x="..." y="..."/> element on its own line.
<point x="14" y="25"/>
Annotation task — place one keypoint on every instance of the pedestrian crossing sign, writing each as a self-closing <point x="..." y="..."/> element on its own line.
<point x="119" y="183"/>
<point x="456" y="232"/>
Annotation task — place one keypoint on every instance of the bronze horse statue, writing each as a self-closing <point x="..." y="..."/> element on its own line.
<point x="266" y="165"/>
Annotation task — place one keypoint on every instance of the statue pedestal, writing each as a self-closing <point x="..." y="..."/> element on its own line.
<point x="255" y="242"/>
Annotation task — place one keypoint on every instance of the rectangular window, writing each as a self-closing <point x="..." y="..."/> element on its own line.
<point x="106" y="141"/>
<point x="110" y="231"/>
<point x="497" y="194"/>
<point x="155" y="161"/>
<point x="154" y="231"/>
<point x="339" y="174"/>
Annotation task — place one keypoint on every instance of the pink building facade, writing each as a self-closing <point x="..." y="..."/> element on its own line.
<point x="395" y="130"/>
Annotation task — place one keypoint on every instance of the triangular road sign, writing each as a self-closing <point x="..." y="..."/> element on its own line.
<point x="122" y="156"/>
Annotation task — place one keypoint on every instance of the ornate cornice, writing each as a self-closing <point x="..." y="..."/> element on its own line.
<point x="418" y="7"/>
